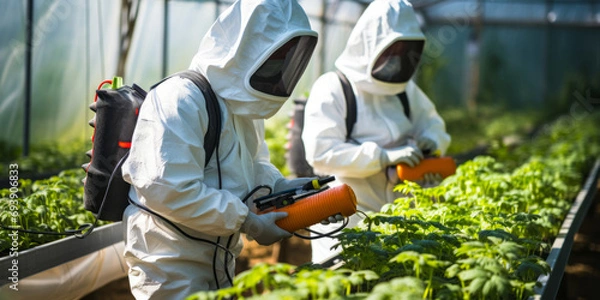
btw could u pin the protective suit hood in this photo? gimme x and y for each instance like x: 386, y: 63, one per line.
x: 381, y: 24
x: 241, y: 39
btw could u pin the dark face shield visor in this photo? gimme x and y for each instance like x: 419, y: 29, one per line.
x: 280, y: 73
x: 398, y: 62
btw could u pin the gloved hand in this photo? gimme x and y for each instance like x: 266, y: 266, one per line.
x: 333, y: 219
x: 426, y: 144
x: 405, y: 154
x: 392, y: 175
x: 262, y: 228
x: 431, y: 179
x: 283, y: 184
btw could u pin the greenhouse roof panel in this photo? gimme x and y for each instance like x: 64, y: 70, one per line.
x: 453, y: 9
x: 514, y: 11
x: 576, y: 12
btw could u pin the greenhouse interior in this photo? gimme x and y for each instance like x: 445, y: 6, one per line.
x: 516, y: 83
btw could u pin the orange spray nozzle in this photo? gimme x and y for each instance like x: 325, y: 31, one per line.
x: 317, y: 207
x: 444, y: 166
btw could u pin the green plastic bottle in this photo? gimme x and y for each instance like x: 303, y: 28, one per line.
x: 117, y: 82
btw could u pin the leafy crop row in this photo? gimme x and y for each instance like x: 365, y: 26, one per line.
x: 483, y: 233
x: 54, y: 204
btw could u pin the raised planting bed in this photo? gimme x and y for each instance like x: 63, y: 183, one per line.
x: 73, y: 279
x: 40, y: 254
x: 43, y: 210
x: 561, y: 248
x: 52, y: 254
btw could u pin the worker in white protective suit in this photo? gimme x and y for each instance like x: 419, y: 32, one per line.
x: 380, y: 57
x: 253, y: 56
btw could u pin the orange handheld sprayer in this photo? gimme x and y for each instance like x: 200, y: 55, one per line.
x: 444, y: 166
x: 309, y: 204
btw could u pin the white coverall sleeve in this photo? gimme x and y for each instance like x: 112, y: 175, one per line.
x: 324, y: 134
x: 426, y: 120
x: 166, y: 163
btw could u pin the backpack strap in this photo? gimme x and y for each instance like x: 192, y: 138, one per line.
x: 405, y: 105
x: 213, y: 134
x: 350, y: 104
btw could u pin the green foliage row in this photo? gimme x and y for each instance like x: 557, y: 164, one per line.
x: 482, y: 234
x: 276, y: 137
x: 489, y: 125
x: 43, y: 159
x: 573, y: 140
x: 52, y: 205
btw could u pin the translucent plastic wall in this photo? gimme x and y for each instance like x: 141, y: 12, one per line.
x: 74, y: 44
x: 187, y: 23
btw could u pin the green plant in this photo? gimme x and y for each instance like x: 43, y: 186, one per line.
x: 283, y: 281
x: 276, y: 138
x: 46, y: 158
x: 483, y: 233
x: 54, y: 204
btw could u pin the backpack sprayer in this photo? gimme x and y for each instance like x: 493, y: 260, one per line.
x: 309, y: 204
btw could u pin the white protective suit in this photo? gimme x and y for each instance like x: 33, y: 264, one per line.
x: 166, y: 162
x: 381, y: 124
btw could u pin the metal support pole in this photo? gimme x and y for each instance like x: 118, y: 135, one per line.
x: 545, y: 53
x: 165, y: 50
x: 28, y: 52
x: 322, y: 36
x: 217, y: 8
